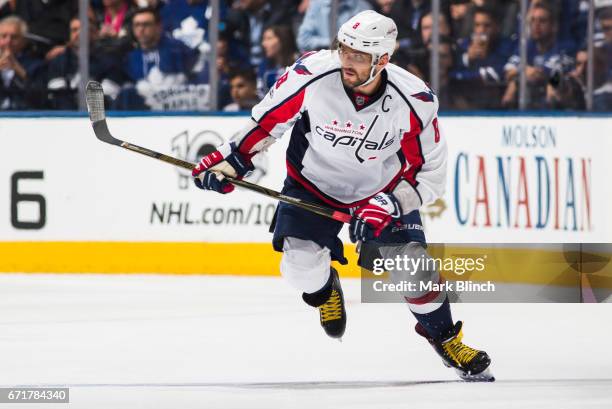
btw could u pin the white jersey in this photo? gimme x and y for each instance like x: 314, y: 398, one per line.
x: 344, y: 152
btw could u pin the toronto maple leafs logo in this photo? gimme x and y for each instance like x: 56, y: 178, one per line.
x: 425, y: 96
x: 189, y: 33
x: 165, y: 91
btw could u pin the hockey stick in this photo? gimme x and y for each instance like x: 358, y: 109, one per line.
x: 94, y: 96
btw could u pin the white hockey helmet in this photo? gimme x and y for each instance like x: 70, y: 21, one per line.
x: 372, y: 33
x: 369, y: 32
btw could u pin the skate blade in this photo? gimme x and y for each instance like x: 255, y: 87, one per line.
x: 484, y: 376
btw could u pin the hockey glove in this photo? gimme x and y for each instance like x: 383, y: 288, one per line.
x: 370, y: 220
x: 210, y: 173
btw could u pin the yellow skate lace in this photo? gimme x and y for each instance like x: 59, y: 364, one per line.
x: 458, y: 351
x: 332, y: 309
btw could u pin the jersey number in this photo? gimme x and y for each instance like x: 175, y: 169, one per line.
x: 436, y: 130
x: 282, y: 79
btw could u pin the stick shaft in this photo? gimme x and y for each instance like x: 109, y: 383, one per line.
x: 320, y: 210
x: 95, y: 105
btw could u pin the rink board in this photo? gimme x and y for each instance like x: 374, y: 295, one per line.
x: 74, y: 204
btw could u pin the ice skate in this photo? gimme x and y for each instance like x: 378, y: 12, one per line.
x: 471, y: 365
x: 331, y: 311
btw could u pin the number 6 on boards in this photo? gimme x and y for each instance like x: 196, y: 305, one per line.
x: 17, y: 197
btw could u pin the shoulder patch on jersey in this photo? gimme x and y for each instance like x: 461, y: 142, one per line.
x: 299, y: 65
x: 425, y: 96
x: 301, y: 69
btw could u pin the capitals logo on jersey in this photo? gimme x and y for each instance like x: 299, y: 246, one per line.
x: 347, y: 134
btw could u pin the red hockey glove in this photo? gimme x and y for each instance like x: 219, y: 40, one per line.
x: 210, y: 173
x: 370, y: 220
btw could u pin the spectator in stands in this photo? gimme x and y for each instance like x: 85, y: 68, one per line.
x: 573, y: 21
x: 63, y: 75
x: 225, y: 66
x: 446, y: 52
x: 406, y: 36
x: 187, y: 21
x: 508, y: 14
x: 460, y: 17
x: 314, y: 32
x: 7, y: 7
x: 115, y: 21
x: 155, y: 50
x: 544, y: 57
x: 602, y: 98
x: 300, y: 13
x: 280, y: 52
x: 251, y: 17
x: 113, y: 17
x: 47, y: 22
x: 416, y: 58
x: 158, y: 63
x: 426, y: 27
x: 565, y: 91
x: 417, y: 9
x: 478, y: 77
x: 61, y: 48
x: 243, y: 88
x: 19, y: 70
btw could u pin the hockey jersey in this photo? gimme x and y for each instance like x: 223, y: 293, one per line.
x: 345, y: 152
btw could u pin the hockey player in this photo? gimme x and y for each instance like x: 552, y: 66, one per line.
x: 365, y: 140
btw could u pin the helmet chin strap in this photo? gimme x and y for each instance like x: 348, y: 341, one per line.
x: 373, y: 73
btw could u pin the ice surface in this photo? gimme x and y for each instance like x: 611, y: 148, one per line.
x: 150, y: 341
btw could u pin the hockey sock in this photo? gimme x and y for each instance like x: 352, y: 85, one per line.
x: 438, y: 321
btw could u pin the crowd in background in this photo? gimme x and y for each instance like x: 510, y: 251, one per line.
x: 154, y: 54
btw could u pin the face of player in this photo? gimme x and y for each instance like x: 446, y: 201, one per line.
x: 356, y: 66
x: 11, y: 38
x: 270, y: 43
x: 146, y: 30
